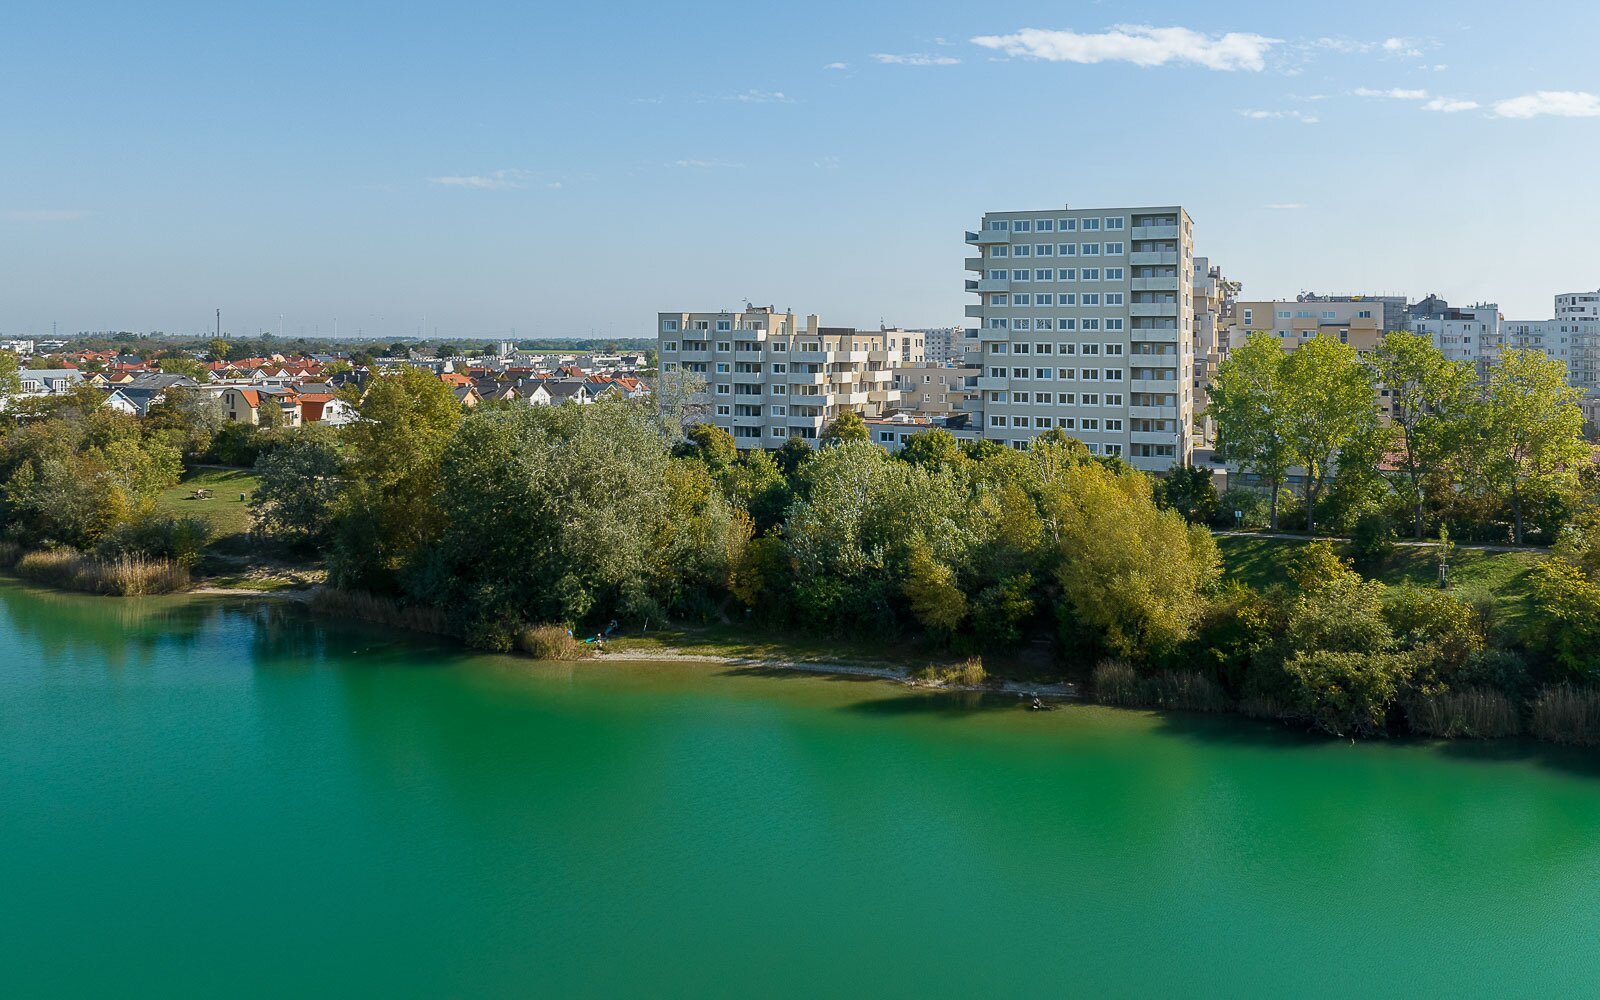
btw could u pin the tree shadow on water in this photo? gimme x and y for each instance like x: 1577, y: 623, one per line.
x: 790, y: 673
x: 938, y: 704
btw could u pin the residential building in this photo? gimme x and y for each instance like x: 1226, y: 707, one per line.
x: 1473, y: 334
x: 1355, y: 322
x: 1572, y: 337
x: 1394, y: 313
x: 942, y: 346
x: 1213, y: 298
x: 768, y: 378
x: 1086, y: 325
x: 930, y: 389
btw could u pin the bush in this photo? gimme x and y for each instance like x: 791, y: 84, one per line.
x: 367, y: 607
x: 1476, y: 712
x: 967, y: 673
x: 1184, y: 691
x: 1345, y: 693
x: 124, y: 576
x: 551, y: 642
x: 1372, y: 541
x: 1254, y: 504
x: 10, y: 552
x: 158, y: 536
x: 1567, y: 714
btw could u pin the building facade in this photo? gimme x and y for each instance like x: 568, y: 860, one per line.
x: 1085, y: 323
x: 931, y: 389
x: 1357, y: 323
x: 768, y: 378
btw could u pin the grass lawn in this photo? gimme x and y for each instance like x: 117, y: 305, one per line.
x: 1474, y: 573
x: 229, y: 518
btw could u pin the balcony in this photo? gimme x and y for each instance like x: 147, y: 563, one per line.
x: 974, y: 263
x: 1153, y: 233
x: 995, y: 285
x: 1156, y: 284
x: 993, y: 382
x: 974, y: 309
x: 795, y: 420
x: 687, y: 355
x: 1154, y: 412
x: 1153, y: 309
x: 1171, y: 385
x: 803, y: 378
x: 1152, y: 257
x: 809, y: 357
x: 985, y: 237
x: 1155, y: 437
x: 747, y: 420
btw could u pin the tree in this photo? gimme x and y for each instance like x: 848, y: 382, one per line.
x: 299, y: 488
x: 1250, y: 402
x: 10, y: 380
x: 930, y: 587
x: 935, y: 449
x: 1566, y: 616
x: 1527, y: 432
x: 711, y: 445
x: 217, y: 350
x: 182, y: 365
x: 1127, y: 569
x: 1430, y: 399
x: 794, y: 454
x: 846, y: 427
x: 390, y: 510
x: 1331, y: 403
x: 1189, y: 491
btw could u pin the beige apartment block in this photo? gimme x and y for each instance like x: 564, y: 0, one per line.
x: 1213, y: 296
x: 768, y: 378
x: 1085, y: 323
x: 934, y: 390
x: 1358, y: 323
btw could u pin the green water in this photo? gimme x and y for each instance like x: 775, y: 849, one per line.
x: 230, y: 799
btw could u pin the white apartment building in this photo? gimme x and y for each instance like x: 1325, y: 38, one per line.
x: 1086, y: 325
x: 942, y: 346
x: 1473, y: 334
x: 1573, y: 337
x: 1213, y: 297
x: 21, y: 348
x: 768, y: 378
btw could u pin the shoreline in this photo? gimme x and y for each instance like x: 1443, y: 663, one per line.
x: 1061, y: 691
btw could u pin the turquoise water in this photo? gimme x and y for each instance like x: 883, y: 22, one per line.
x: 231, y: 799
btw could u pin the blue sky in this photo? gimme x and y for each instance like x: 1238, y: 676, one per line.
x: 568, y: 169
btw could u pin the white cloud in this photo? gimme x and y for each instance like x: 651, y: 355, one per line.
x: 763, y: 97
x: 914, y: 59
x: 499, y: 180
x: 1559, y: 103
x: 703, y: 164
x: 837, y: 65
x: 1401, y: 47
x: 1299, y: 116
x: 46, y: 214
x: 1285, y: 206
x: 1140, y: 44
x: 1394, y: 48
x: 1393, y: 94
x: 1451, y: 105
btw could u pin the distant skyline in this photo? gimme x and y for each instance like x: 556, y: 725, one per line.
x: 479, y: 167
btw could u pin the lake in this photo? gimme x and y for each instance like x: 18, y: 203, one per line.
x: 226, y: 797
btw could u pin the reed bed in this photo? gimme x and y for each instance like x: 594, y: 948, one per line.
x: 379, y: 610
x: 551, y: 642
x: 1117, y: 683
x: 1474, y: 713
x: 1567, y: 714
x: 967, y: 673
x: 123, y: 576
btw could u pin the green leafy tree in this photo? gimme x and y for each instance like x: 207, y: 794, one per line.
x: 217, y: 349
x: 712, y: 445
x: 846, y: 427
x: 938, y: 604
x: 1430, y: 401
x: 935, y: 449
x: 1565, y: 617
x: 1331, y: 403
x: 300, y: 483
x: 184, y: 365
x: 1251, y: 402
x: 1527, y: 432
x: 1189, y: 491
x: 10, y: 380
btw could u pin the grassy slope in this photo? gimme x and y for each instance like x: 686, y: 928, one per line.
x: 229, y: 518
x: 1475, y: 574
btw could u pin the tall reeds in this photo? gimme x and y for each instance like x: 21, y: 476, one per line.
x: 123, y: 576
x: 1566, y: 714
x: 1475, y: 712
x: 378, y: 610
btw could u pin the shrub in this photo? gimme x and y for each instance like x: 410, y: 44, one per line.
x: 368, y: 607
x: 1372, y: 541
x: 1255, y: 505
x: 967, y: 673
x: 1345, y: 693
x: 1476, y: 712
x: 157, y: 536
x: 1184, y: 691
x: 124, y: 576
x: 1567, y: 714
x: 550, y: 642
x: 10, y: 552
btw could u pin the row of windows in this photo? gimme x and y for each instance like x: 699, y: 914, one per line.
x: 775, y: 346
x: 1113, y: 222
x: 1057, y: 398
x: 1057, y: 274
x: 1065, y: 423
x: 1058, y: 250
x: 1065, y: 323
x: 1111, y: 350
x: 1054, y: 299
x: 1061, y: 374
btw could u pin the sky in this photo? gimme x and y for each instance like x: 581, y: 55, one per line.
x: 572, y: 169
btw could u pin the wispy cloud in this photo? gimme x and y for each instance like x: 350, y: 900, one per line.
x: 1284, y: 206
x: 762, y: 97
x: 1557, y: 103
x: 703, y: 164
x: 499, y: 180
x: 1140, y: 44
x: 45, y: 214
x: 1393, y: 93
x: 1393, y: 48
x: 914, y: 59
x: 1260, y: 115
x: 1451, y: 105
x: 826, y: 163
x: 1401, y: 47
x: 837, y: 65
